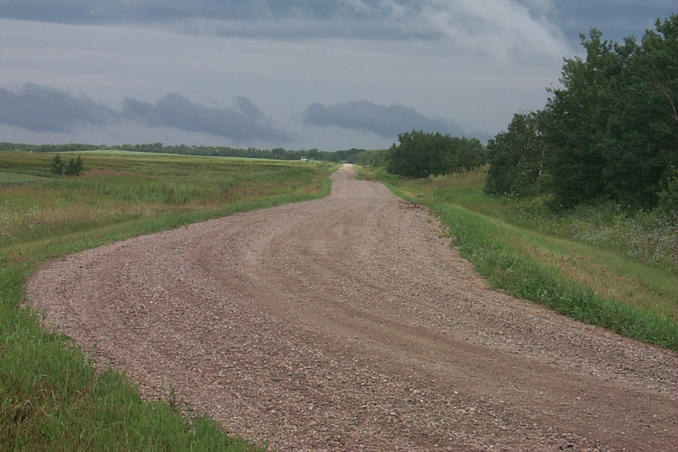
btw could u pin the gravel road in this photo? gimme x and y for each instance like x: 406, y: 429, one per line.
x: 350, y: 323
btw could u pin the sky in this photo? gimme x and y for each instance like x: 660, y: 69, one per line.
x: 298, y: 74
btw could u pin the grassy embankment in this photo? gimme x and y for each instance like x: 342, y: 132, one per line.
x: 50, y: 396
x: 593, y: 264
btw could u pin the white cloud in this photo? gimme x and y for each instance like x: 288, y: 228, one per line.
x: 502, y: 29
x: 541, y: 7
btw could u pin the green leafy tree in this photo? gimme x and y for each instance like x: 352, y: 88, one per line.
x: 613, y: 128
x: 517, y: 157
x: 644, y: 130
x: 410, y: 158
x: 579, y: 114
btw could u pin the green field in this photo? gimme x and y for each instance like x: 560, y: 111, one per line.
x: 51, y: 398
x: 593, y: 264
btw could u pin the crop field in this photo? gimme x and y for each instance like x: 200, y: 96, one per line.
x: 595, y: 264
x: 50, y: 395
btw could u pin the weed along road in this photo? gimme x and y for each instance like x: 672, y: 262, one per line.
x: 349, y: 321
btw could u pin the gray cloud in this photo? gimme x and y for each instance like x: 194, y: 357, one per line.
x: 615, y: 18
x: 278, y: 19
x: 114, y: 11
x: 247, y: 107
x: 173, y: 110
x: 369, y: 19
x: 386, y: 122
x: 42, y: 108
x: 46, y: 109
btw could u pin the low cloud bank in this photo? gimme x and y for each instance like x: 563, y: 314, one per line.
x: 46, y: 109
x: 385, y: 121
x: 243, y: 123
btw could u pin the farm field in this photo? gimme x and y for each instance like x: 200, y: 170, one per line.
x: 595, y: 264
x: 50, y: 396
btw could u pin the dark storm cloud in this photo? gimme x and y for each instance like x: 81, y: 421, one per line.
x: 247, y: 107
x: 277, y: 19
x: 42, y: 108
x: 114, y: 11
x: 366, y: 19
x: 615, y: 18
x: 386, y: 122
x: 46, y: 109
x: 173, y: 110
x: 111, y: 11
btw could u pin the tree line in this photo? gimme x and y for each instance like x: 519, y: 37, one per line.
x: 610, y: 131
x: 278, y: 153
x: 349, y: 155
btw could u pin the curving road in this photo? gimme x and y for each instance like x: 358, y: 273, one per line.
x: 349, y: 322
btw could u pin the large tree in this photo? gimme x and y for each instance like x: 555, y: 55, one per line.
x: 613, y: 127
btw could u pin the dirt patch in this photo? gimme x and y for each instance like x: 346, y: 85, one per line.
x: 350, y: 323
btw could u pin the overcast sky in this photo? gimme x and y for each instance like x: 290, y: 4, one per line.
x: 329, y: 74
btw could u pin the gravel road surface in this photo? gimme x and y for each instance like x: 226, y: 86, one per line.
x: 350, y: 323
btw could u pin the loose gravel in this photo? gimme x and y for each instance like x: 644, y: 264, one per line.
x: 350, y: 323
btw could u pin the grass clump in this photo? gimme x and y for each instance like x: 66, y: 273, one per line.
x: 628, y: 286
x: 51, y: 398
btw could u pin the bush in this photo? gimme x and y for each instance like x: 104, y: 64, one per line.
x: 71, y: 168
x: 57, y: 165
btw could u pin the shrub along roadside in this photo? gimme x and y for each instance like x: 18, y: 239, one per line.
x: 491, y: 245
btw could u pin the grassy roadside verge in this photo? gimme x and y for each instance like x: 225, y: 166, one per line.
x: 51, y: 398
x: 591, y: 284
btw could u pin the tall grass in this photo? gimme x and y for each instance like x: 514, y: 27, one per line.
x: 648, y: 237
x: 524, y: 248
x: 51, y: 398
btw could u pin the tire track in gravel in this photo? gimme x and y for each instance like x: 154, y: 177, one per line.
x: 348, y: 323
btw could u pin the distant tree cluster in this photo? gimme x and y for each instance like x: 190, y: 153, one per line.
x: 420, y: 154
x: 377, y: 158
x: 610, y: 131
x: 72, y: 167
x: 349, y: 155
x: 71, y: 147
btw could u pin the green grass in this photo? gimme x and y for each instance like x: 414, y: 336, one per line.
x: 12, y: 178
x: 51, y: 398
x: 152, y: 154
x: 521, y: 247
